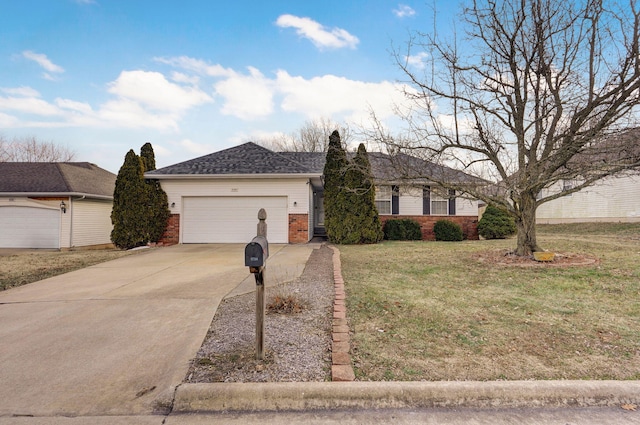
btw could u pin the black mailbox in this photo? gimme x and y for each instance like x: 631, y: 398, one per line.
x: 256, y: 252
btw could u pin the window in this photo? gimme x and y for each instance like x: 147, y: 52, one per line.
x: 383, y: 199
x: 568, y: 185
x: 439, y: 202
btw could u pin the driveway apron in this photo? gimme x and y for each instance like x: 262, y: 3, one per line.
x: 117, y: 338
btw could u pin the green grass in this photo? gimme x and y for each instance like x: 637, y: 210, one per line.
x: 433, y: 311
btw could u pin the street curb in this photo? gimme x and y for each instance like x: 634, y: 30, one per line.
x: 304, y: 396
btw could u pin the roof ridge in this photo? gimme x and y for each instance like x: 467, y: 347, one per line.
x: 63, y: 175
x: 291, y: 160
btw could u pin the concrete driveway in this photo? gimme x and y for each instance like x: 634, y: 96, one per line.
x: 116, y: 338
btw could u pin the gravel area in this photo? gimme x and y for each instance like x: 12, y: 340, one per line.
x: 297, y: 345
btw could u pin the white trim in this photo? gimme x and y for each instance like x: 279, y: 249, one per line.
x: 228, y: 176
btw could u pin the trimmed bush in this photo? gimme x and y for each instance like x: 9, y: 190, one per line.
x: 402, y: 230
x: 496, y: 224
x: 449, y: 231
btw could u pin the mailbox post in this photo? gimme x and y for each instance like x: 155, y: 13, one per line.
x: 255, y: 257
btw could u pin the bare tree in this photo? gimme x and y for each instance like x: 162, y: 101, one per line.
x: 313, y: 136
x: 538, y: 92
x: 30, y: 149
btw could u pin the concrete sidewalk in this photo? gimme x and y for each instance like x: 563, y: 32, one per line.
x: 117, y: 338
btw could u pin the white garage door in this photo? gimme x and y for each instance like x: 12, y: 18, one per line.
x: 223, y: 219
x: 26, y: 227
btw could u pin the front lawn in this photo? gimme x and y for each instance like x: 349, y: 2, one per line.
x: 25, y: 266
x: 435, y: 311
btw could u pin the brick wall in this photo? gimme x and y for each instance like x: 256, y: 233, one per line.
x: 298, y: 228
x: 171, y: 235
x: 469, y: 224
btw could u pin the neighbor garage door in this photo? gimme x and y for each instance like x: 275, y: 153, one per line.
x: 224, y: 219
x: 26, y: 227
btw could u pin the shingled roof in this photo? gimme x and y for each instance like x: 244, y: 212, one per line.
x: 56, y: 178
x: 249, y: 159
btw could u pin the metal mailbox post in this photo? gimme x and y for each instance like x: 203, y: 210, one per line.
x: 255, y: 257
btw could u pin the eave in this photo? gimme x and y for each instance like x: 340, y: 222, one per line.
x: 55, y: 195
x: 229, y: 176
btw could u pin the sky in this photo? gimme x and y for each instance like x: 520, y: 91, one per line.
x: 101, y: 77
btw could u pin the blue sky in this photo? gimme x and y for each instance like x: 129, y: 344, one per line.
x: 195, y: 76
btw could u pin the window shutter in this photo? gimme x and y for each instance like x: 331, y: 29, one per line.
x: 426, y: 200
x: 395, y: 200
x: 452, y: 202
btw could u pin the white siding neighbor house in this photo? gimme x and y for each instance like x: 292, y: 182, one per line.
x: 216, y: 198
x: 614, y: 199
x: 55, y: 205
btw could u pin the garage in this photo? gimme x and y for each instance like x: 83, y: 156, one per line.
x: 29, y: 227
x: 232, y: 219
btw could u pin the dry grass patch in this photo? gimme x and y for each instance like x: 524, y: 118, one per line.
x: 23, y: 267
x: 432, y: 311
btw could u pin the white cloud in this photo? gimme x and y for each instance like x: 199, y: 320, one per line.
x: 330, y: 95
x: 7, y: 121
x: 153, y: 90
x: 318, y: 34
x: 256, y: 136
x: 246, y: 96
x: 29, y: 105
x: 130, y: 114
x: 197, y: 65
x: 254, y: 96
x: 417, y: 61
x: 160, y: 150
x: 404, y: 11
x: 72, y: 105
x: 179, y: 77
x: 23, y: 91
x: 195, y: 148
x: 43, y: 61
x: 142, y: 100
x: 86, y: 2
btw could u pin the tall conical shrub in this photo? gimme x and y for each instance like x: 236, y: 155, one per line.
x: 128, y: 215
x: 361, y: 223
x: 334, y: 191
x: 156, y: 204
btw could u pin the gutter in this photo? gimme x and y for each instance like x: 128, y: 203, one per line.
x: 228, y: 176
x: 56, y: 195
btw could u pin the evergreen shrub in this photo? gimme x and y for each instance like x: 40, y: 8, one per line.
x: 402, y: 230
x: 446, y: 230
x: 496, y: 224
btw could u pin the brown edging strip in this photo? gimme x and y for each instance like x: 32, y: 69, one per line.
x: 341, y: 369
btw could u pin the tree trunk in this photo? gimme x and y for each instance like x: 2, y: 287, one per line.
x: 526, y: 224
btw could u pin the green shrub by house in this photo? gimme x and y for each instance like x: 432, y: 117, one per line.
x: 140, y: 211
x: 446, y: 230
x: 361, y: 222
x: 334, y: 191
x: 156, y: 203
x: 496, y: 224
x: 128, y: 214
x: 402, y: 230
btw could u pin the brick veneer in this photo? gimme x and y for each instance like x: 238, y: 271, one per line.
x: 469, y: 224
x: 298, y: 228
x: 171, y: 235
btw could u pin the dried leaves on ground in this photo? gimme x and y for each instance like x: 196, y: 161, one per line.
x: 297, y: 332
x: 20, y: 267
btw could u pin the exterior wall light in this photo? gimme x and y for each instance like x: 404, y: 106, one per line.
x: 63, y: 207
